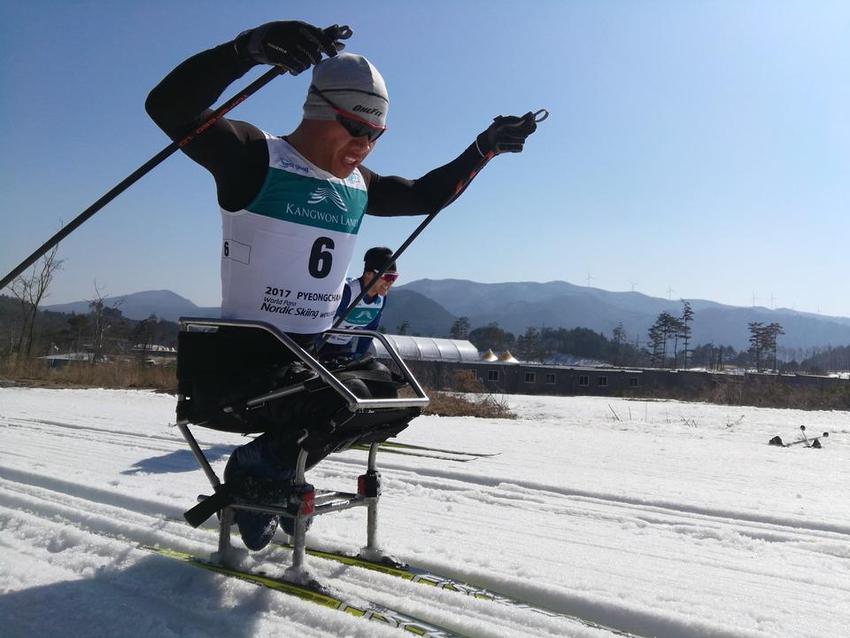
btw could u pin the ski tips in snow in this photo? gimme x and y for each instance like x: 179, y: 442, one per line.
x: 804, y: 440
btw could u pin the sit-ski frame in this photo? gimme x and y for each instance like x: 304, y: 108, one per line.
x: 310, y: 502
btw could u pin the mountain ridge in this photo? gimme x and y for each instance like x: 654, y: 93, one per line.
x: 165, y: 304
x: 430, y: 306
x: 517, y: 305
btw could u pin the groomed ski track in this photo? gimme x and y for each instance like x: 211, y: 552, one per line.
x: 648, y: 525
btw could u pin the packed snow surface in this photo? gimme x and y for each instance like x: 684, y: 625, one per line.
x: 657, y: 518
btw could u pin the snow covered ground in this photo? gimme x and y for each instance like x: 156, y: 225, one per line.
x: 659, y: 518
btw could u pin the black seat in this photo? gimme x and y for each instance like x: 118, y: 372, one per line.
x: 218, y: 369
x: 222, y: 368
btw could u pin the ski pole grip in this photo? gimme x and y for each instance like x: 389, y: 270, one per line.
x: 339, y: 32
x: 197, y: 515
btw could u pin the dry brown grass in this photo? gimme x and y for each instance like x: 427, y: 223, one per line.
x: 119, y: 374
x: 133, y: 374
x: 774, y: 394
x: 482, y: 405
x: 468, y: 398
x: 485, y: 406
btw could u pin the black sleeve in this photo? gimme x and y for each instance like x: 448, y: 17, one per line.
x: 234, y: 152
x: 391, y: 196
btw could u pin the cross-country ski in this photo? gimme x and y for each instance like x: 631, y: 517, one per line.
x: 324, y: 598
x: 803, y: 440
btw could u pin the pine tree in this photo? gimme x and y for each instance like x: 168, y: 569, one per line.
x: 665, y: 327
x: 685, y: 329
x: 460, y: 328
x: 619, y: 336
x: 530, y: 346
x: 770, y: 334
x: 656, y: 345
x: 756, y: 341
x: 491, y: 337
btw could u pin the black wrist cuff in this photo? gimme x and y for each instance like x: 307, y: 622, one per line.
x: 241, y: 48
x: 482, y: 144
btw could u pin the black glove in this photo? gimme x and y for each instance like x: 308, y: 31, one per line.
x: 293, y: 45
x: 506, y: 134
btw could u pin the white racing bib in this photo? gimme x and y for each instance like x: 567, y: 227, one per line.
x: 360, y: 316
x: 285, y: 255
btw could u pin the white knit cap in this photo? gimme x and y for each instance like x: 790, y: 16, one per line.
x: 353, y: 84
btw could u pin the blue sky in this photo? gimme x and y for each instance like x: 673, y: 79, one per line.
x: 694, y: 149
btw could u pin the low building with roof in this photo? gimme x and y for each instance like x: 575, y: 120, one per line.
x: 427, y: 348
x: 453, y: 364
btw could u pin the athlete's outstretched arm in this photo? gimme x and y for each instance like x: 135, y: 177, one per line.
x: 234, y: 152
x: 391, y: 195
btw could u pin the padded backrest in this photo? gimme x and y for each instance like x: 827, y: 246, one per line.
x: 227, y: 351
x: 224, y: 366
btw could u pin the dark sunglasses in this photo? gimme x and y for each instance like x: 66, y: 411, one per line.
x: 353, y: 125
x: 389, y: 276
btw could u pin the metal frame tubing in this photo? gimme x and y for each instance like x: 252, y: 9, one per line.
x: 372, y: 549
x: 354, y: 403
x: 297, y: 571
x: 198, y: 454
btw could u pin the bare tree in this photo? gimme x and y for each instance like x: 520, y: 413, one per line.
x: 143, y: 335
x: 101, y: 317
x: 78, y: 326
x: 30, y: 289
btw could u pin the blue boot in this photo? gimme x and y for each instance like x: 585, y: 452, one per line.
x: 249, y: 467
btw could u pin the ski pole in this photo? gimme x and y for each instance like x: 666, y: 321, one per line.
x: 538, y: 116
x: 342, y: 33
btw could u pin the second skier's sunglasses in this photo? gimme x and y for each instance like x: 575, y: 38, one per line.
x: 388, y: 276
x: 353, y: 125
